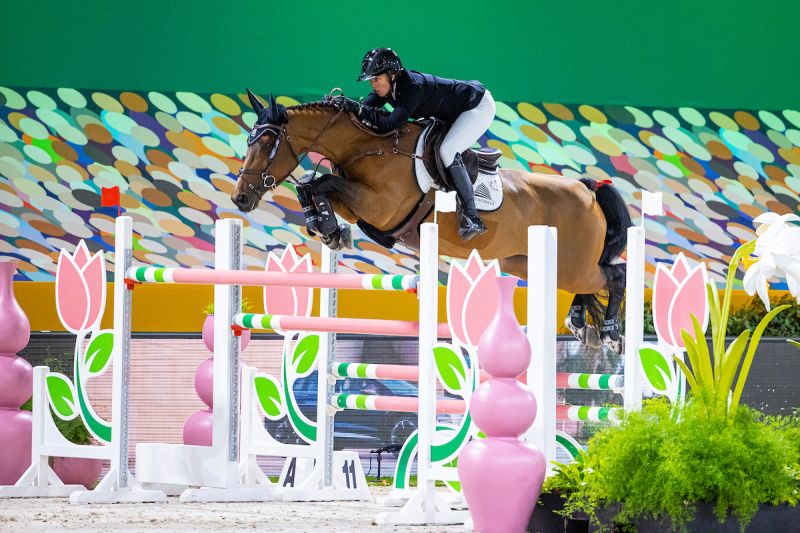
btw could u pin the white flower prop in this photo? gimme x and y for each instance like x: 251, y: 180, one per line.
x: 778, y: 252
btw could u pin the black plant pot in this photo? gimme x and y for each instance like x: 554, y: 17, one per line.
x: 545, y: 519
x: 768, y: 518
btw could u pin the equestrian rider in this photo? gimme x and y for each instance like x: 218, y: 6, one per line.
x: 466, y: 105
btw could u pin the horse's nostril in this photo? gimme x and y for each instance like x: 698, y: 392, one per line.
x: 240, y: 200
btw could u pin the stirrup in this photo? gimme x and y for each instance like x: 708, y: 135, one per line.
x: 471, y: 229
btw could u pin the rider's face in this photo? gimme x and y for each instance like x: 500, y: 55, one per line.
x: 381, y: 84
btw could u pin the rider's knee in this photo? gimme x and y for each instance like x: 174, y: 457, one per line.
x: 447, y: 152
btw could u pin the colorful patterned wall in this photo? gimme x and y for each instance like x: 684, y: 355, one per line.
x: 174, y: 157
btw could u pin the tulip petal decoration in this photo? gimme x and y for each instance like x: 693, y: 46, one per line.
x: 471, y: 298
x: 291, y: 301
x: 678, y: 294
x: 80, y: 289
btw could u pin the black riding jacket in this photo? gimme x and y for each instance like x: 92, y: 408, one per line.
x: 418, y: 95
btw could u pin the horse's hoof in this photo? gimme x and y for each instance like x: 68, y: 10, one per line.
x: 615, y: 345
x: 346, y: 237
x: 586, y: 334
x: 591, y: 338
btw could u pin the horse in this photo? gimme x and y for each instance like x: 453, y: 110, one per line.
x: 375, y: 184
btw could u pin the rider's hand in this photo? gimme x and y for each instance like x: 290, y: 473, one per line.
x: 351, y: 106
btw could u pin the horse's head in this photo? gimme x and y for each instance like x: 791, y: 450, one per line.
x: 270, y: 157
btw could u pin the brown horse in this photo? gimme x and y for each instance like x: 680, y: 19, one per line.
x: 378, y: 186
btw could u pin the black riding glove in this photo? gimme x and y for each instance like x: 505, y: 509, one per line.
x: 351, y: 106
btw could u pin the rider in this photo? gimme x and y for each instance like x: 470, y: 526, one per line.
x: 466, y: 105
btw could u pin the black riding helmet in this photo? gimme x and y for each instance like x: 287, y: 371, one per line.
x: 378, y: 61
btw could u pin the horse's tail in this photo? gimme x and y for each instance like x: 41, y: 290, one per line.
x: 618, y: 220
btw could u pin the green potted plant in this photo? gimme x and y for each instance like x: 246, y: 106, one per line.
x: 549, y: 514
x: 695, y: 473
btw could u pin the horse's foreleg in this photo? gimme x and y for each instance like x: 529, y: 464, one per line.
x: 576, y: 322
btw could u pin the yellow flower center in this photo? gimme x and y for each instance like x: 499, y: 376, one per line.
x: 749, y: 261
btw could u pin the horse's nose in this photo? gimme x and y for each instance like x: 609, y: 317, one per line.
x: 240, y: 200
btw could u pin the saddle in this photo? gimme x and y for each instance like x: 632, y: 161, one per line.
x: 480, y: 161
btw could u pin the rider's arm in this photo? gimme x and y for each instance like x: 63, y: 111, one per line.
x: 382, y: 121
x: 373, y: 100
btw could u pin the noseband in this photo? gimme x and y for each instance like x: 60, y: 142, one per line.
x: 268, y: 181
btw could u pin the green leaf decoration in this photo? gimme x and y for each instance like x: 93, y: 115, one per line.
x: 455, y: 485
x: 656, y: 368
x: 451, y: 368
x: 305, y: 354
x: 99, y: 351
x: 268, y: 391
x: 62, y: 395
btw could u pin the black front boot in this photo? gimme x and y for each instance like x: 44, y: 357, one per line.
x: 469, y: 223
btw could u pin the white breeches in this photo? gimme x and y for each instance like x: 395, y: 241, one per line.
x: 468, y: 128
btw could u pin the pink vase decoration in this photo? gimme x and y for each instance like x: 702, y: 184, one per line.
x: 198, y: 427
x: 501, y: 476
x: 16, y: 381
x: 78, y: 470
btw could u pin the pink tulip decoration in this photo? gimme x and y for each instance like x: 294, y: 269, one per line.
x: 292, y: 301
x: 472, y: 297
x: 678, y: 294
x: 80, y: 289
x: 501, y: 476
x: 80, y: 302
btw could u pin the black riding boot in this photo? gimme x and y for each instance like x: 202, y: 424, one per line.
x: 469, y: 223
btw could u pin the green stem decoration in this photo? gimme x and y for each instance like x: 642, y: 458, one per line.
x: 98, y: 427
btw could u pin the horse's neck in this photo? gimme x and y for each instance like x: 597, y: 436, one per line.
x: 381, y: 191
x: 314, y: 130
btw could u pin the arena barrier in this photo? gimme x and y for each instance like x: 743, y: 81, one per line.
x: 118, y: 485
x: 222, y: 473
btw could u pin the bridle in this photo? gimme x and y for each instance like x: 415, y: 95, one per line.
x: 268, y: 182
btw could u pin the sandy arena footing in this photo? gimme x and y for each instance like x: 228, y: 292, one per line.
x: 38, y: 515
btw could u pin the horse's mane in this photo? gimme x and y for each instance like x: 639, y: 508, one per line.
x: 326, y: 105
x: 313, y: 105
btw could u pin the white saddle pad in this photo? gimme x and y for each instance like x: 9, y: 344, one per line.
x: 488, y: 187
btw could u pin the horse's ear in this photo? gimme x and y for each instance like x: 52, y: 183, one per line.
x: 255, y: 102
x: 276, y: 113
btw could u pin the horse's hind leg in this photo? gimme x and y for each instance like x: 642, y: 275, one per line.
x: 610, y: 334
x: 576, y: 323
